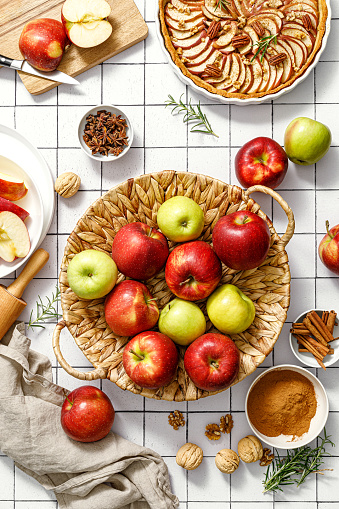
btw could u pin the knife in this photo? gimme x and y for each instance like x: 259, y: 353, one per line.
x: 23, y: 65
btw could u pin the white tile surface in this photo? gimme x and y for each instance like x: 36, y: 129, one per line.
x: 140, y: 80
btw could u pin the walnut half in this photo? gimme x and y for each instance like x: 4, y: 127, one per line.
x: 189, y: 456
x: 67, y: 184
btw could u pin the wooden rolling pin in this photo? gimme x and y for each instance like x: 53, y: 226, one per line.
x: 11, y: 304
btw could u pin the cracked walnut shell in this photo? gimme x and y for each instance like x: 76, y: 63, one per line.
x: 67, y: 184
x: 227, y: 461
x: 250, y: 449
x: 189, y: 456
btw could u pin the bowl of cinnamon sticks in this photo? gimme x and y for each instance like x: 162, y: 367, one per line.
x: 314, y: 338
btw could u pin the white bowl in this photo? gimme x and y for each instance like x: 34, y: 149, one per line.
x: 306, y: 357
x: 241, y: 102
x: 83, y: 122
x: 317, y: 423
x: 33, y: 204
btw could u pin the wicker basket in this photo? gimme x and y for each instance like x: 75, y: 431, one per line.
x: 139, y: 200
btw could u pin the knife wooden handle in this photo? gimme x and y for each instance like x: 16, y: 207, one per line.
x: 32, y: 267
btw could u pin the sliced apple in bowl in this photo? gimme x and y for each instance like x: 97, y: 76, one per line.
x: 12, y: 188
x: 14, y: 238
x: 85, y: 22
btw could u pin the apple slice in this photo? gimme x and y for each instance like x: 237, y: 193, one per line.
x: 225, y: 67
x: 225, y: 39
x: 185, y: 34
x: 196, y: 6
x: 8, y: 206
x: 194, y: 52
x: 298, y: 32
x: 199, y: 69
x: 183, y: 25
x: 265, y: 75
x: 202, y: 57
x: 249, y: 77
x: 181, y: 16
x: 12, y: 188
x: 257, y: 71
x: 14, y: 238
x: 190, y: 42
x: 85, y: 22
x: 216, y: 10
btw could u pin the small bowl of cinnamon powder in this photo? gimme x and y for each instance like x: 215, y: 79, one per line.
x: 286, y: 406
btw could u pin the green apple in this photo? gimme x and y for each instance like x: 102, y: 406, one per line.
x: 180, y: 219
x: 182, y: 321
x: 230, y: 310
x: 92, y: 274
x: 306, y: 140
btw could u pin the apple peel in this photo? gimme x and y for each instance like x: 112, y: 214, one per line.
x: 14, y: 237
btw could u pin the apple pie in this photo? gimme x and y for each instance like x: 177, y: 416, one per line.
x: 243, y: 48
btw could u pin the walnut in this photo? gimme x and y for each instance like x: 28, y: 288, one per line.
x: 227, y: 461
x: 176, y: 419
x: 212, y: 431
x: 67, y: 184
x: 189, y: 456
x: 267, y: 458
x: 226, y: 423
x: 250, y: 449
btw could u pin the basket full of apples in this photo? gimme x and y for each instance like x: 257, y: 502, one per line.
x: 175, y: 285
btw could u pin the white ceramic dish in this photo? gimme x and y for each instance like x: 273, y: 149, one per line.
x: 306, y: 357
x: 240, y: 102
x: 83, y: 122
x: 16, y: 147
x: 317, y: 423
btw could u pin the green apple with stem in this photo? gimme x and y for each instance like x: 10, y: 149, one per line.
x: 306, y: 140
x: 181, y: 219
x: 230, y: 310
x: 92, y: 274
x: 182, y: 321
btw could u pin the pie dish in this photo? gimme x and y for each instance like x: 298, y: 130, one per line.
x: 248, y: 50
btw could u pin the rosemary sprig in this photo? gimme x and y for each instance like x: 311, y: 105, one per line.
x: 263, y: 44
x: 222, y: 3
x: 45, y: 311
x: 296, y: 466
x: 191, y: 115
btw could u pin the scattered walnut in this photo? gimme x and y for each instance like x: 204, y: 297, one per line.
x: 267, y: 458
x: 227, y: 461
x: 212, y: 431
x: 189, y: 456
x: 250, y: 449
x: 226, y: 423
x: 67, y: 184
x: 176, y: 419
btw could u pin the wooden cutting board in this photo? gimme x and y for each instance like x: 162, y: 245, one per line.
x: 129, y: 28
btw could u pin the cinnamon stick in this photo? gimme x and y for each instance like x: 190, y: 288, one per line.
x: 324, y: 317
x: 331, y: 321
x: 319, y: 324
x: 321, y: 348
x: 321, y: 363
x: 310, y: 348
x: 303, y: 332
x: 301, y: 349
x: 307, y: 322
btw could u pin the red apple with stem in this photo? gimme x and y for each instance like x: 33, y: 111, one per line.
x: 130, y: 308
x: 150, y: 359
x: 193, y: 270
x: 329, y: 248
x: 139, y: 251
x: 87, y: 414
x: 212, y: 362
x: 261, y: 161
x: 241, y: 240
x: 43, y: 42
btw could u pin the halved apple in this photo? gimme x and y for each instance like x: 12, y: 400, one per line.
x: 85, y: 22
x: 12, y: 188
x: 8, y: 206
x: 14, y: 238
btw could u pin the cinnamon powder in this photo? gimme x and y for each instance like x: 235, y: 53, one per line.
x: 282, y: 402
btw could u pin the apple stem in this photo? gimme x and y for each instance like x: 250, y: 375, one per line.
x: 244, y: 221
x: 70, y: 402
x: 186, y: 281
x: 328, y: 229
x: 150, y: 232
x: 140, y: 357
x: 215, y: 364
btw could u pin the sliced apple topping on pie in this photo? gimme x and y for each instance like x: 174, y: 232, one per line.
x: 246, y: 47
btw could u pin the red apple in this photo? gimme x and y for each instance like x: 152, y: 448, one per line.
x: 261, y: 161
x: 6, y: 205
x: 212, y: 362
x: 150, y: 359
x: 139, y: 251
x: 42, y: 43
x: 193, y: 270
x: 130, y: 308
x: 241, y: 240
x: 87, y: 414
x: 329, y: 248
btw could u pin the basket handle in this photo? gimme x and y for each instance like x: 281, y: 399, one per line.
x: 96, y: 374
x: 286, y: 208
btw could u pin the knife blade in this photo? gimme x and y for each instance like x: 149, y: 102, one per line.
x: 23, y: 65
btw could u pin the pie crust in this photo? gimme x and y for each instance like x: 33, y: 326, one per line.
x: 218, y: 62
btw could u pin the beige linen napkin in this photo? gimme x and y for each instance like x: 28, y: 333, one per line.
x: 112, y: 473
